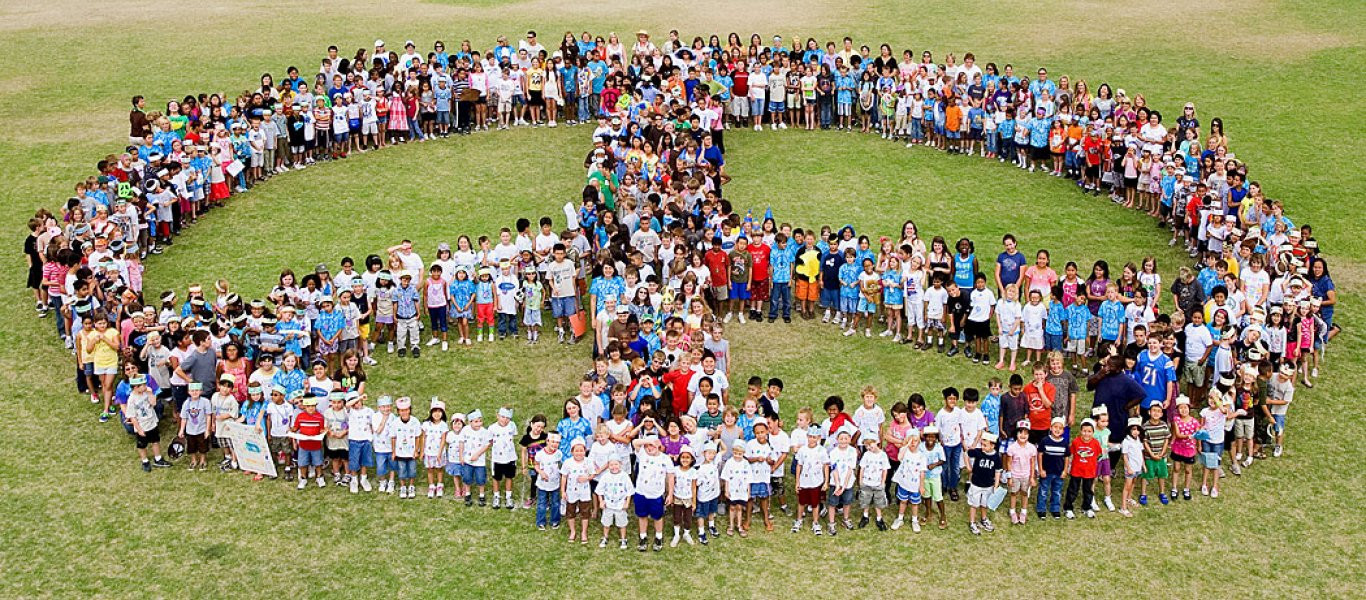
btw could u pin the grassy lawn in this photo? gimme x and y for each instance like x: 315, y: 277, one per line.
x: 87, y: 522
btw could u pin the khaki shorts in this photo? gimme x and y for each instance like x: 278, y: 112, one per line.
x: 872, y: 496
x: 1019, y: 485
x: 720, y: 293
x: 1243, y: 429
x: 613, y: 517
x: 1193, y: 373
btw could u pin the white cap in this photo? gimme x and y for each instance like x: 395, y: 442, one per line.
x: 1183, y: 401
x: 475, y: 414
x: 989, y: 437
x: 379, y: 42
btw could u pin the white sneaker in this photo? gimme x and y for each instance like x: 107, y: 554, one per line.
x: 758, y: 127
x: 674, y: 542
x: 1109, y: 504
x: 354, y: 485
x: 782, y: 126
x: 303, y: 483
x: 1070, y: 515
x: 728, y: 317
x: 1276, y: 452
x: 388, y: 486
x: 867, y: 332
x: 1204, y: 490
x: 403, y: 492
x: 915, y: 524
x: 369, y: 360
x: 481, y: 336
x: 440, y: 490
x: 445, y: 345
x: 431, y: 491
x: 391, y: 347
x: 365, y: 483
x: 826, y: 318
x: 741, y: 317
x: 1090, y: 514
x: 433, y: 342
x: 321, y: 483
x: 1214, y: 493
x: 687, y: 537
x: 495, y: 500
x: 848, y: 332
x: 885, y: 333
x: 896, y: 524
x: 1248, y: 462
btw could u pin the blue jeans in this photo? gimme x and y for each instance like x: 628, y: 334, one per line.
x: 990, y: 139
x: 547, y: 502
x: 54, y: 303
x: 1050, y: 494
x: 584, y: 113
x: 952, y: 454
x: 507, y: 324
x: 780, y: 295
x: 415, y: 128
x: 827, y: 112
x: 917, y: 130
x: 594, y: 102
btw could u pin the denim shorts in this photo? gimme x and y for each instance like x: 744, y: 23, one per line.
x: 360, y: 453
x: 843, y: 499
x: 405, y: 468
x: 563, y: 307
x: 384, y: 463
x: 1052, y: 341
x: 310, y: 458
x: 455, y: 470
x: 866, y: 307
x: 476, y: 475
x: 756, y: 107
x: 758, y: 490
x: 848, y: 304
x: 706, y: 508
x: 776, y: 106
x: 830, y: 298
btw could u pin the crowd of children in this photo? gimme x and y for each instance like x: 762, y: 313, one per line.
x: 654, y: 263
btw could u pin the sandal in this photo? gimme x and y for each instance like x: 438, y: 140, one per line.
x: 943, y: 524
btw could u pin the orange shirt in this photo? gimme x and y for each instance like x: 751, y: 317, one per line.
x: 953, y: 117
x: 1040, y: 414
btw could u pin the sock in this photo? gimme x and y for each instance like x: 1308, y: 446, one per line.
x: 157, y: 457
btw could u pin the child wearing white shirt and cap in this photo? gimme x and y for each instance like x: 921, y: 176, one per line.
x: 477, y: 442
x: 708, y: 493
x: 576, y: 473
x: 614, y: 491
x: 547, y: 484
x: 455, y: 456
x: 504, y: 454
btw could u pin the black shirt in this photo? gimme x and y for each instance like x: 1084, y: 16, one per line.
x: 959, y: 306
x: 984, y: 467
x: 1054, y: 453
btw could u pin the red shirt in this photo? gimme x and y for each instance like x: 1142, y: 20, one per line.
x: 677, y: 381
x: 1091, y: 146
x: 1085, y: 455
x: 759, y: 252
x: 1040, y: 415
x: 718, y: 262
x: 309, y: 424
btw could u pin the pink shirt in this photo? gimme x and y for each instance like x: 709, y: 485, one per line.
x: 1022, y: 458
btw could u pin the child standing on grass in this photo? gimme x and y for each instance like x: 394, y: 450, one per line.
x: 759, y: 453
x: 225, y: 408
x: 407, y: 441
x: 483, y: 304
x: 455, y: 457
x: 1213, y: 419
x: 843, y: 472
x: 576, y: 474
x: 933, y: 453
x: 811, y: 461
x: 533, y: 296
x: 504, y: 454
x: 653, y: 473
x: 1103, y: 467
x: 1033, y: 317
x: 1081, y: 466
x: 1021, y: 463
x: 909, y: 479
x: 873, y: 468
x: 1009, y: 321
x: 434, y: 447
x: 708, y: 479
x: 381, y: 424
x: 1078, y: 325
x: 981, y: 302
x: 533, y: 439
x: 735, y: 476
x: 477, y: 442
x: 141, y: 413
x: 309, y: 424
x: 684, y: 496
x: 985, y: 476
x: 462, y: 304
x: 614, y: 491
x: 336, y: 451
x: 1132, y: 448
x: 1157, y: 444
x: 548, y: 484
x: 195, y: 415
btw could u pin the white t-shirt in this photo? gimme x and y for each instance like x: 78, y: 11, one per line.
x: 600, y: 455
x: 683, y: 483
x: 1008, y: 315
x: 972, y: 425
x: 383, y: 427
x: 652, y: 474
x: 759, y: 471
x: 455, y: 447
x: 405, y: 437
x: 911, y: 472
x: 869, y: 421
x: 935, y: 298
x: 842, y: 464
x: 782, y: 445
x: 1198, y: 338
x: 950, y: 426
x: 434, y: 433
x: 873, y: 468
x: 504, y: 448
x: 708, y: 482
x: 981, y: 300
x: 547, y: 470
x: 737, y: 476
x: 813, y: 461
x: 475, y: 440
x: 575, y: 490
x: 615, y: 489
x: 360, y: 424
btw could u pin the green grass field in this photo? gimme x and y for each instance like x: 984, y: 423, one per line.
x: 84, y: 521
